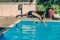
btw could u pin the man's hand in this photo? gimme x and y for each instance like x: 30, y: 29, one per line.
x: 44, y: 23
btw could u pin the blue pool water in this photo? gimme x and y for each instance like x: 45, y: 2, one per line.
x: 30, y: 30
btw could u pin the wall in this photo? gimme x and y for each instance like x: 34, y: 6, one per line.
x: 11, y: 9
x: 8, y: 9
x: 27, y: 8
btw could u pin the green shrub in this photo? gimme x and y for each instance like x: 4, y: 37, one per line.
x: 55, y: 8
x: 40, y: 7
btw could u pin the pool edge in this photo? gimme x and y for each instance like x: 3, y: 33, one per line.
x: 14, y: 23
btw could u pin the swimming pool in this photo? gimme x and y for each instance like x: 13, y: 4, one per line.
x: 30, y: 30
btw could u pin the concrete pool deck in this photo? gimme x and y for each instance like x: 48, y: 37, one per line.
x: 6, y: 21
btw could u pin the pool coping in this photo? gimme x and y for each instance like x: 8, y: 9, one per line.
x: 14, y: 23
x: 45, y: 20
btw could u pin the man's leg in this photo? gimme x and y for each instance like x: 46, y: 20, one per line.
x: 37, y: 15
